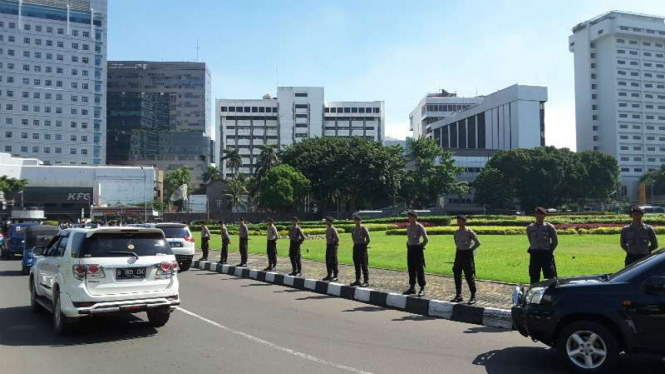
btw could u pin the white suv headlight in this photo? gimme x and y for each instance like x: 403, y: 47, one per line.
x: 535, y: 295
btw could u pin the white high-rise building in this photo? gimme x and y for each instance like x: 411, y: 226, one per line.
x: 620, y: 91
x: 53, y: 80
x: 296, y: 113
x: 434, y: 107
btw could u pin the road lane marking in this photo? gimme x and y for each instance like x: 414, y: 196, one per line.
x: 273, y: 345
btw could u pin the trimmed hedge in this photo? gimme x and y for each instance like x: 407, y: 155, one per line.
x: 490, y: 230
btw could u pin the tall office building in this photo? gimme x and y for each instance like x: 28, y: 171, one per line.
x: 159, y: 115
x: 296, y: 113
x: 511, y: 118
x: 434, y: 107
x: 53, y: 80
x: 620, y: 91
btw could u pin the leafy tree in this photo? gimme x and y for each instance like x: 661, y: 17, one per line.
x: 10, y: 187
x: 233, y: 160
x: 493, y: 190
x: 348, y: 173
x: 655, y: 179
x: 601, y: 177
x: 175, y: 179
x: 545, y: 176
x: 431, y: 173
x: 267, y: 159
x: 211, y: 174
x: 283, y: 188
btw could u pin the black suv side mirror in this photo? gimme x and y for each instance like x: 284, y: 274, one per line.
x: 656, y: 285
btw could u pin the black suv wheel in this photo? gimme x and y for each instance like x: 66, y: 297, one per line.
x: 588, y: 347
x: 158, y: 318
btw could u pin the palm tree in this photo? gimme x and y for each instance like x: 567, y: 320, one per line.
x: 211, y: 174
x: 266, y: 160
x: 10, y: 187
x: 236, y: 190
x: 233, y: 160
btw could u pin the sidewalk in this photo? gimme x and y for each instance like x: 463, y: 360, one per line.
x: 489, y: 294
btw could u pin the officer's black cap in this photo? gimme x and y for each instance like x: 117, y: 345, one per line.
x: 294, y: 218
x: 461, y: 216
x: 357, y: 216
x: 241, y: 219
x: 412, y: 213
x: 637, y: 209
x: 330, y: 219
x: 542, y: 210
x: 270, y: 220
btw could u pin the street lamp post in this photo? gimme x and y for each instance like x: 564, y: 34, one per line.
x: 145, y: 203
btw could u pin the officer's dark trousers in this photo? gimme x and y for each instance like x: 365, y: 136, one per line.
x: 631, y: 258
x: 360, y: 261
x: 331, y: 260
x: 205, y: 245
x: 294, y: 256
x: 272, y: 253
x: 225, y: 252
x: 464, y: 262
x: 541, y: 260
x: 416, y: 263
x: 243, y: 251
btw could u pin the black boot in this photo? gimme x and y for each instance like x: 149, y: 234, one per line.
x: 457, y: 299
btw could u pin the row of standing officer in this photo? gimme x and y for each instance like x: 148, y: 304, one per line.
x: 637, y: 240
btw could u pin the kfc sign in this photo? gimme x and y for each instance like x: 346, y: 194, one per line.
x: 78, y: 196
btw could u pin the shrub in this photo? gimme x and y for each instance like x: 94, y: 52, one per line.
x: 51, y: 222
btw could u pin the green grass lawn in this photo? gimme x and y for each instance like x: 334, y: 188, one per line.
x: 500, y: 258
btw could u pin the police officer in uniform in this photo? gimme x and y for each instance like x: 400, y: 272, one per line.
x: 466, y: 243
x: 271, y: 249
x: 360, y: 237
x: 296, y: 238
x: 332, y: 243
x: 542, y: 243
x: 415, y: 253
x: 638, y: 239
x: 226, y: 240
x: 243, y: 234
x: 205, y: 241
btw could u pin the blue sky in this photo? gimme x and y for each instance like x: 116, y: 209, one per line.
x: 395, y: 51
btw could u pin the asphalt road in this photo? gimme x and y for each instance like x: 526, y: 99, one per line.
x: 232, y: 325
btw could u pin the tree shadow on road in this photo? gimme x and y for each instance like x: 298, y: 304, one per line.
x: 316, y: 297
x: 480, y: 329
x: 367, y: 308
x: 12, y: 273
x: 545, y: 360
x: 22, y: 327
x: 415, y: 317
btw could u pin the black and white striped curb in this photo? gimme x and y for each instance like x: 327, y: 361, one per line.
x: 491, y: 317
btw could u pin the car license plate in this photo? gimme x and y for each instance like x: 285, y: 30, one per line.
x: 175, y: 244
x: 130, y: 273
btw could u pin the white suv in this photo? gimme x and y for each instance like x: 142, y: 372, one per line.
x: 88, y: 272
x: 181, y: 241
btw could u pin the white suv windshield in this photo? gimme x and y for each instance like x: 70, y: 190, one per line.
x: 124, y: 244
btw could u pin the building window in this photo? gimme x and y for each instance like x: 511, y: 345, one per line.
x: 301, y: 94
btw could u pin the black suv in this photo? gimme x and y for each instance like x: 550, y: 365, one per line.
x: 591, y: 320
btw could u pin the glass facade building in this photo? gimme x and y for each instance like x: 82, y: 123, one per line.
x: 160, y: 115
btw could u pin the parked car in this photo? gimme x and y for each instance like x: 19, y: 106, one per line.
x: 181, y: 241
x: 591, y: 320
x: 89, y: 272
x: 15, y: 239
x: 2, y: 241
x: 36, y: 240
